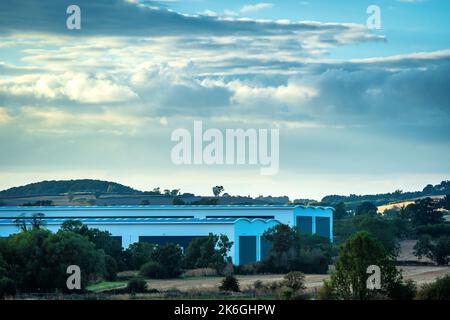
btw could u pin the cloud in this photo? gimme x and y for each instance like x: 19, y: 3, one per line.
x: 4, y: 116
x: 108, y: 96
x: 125, y: 18
x: 394, y: 93
x: 294, y: 92
x: 290, y: 94
x: 250, y: 8
x: 400, y: 93
x: 77, y: 87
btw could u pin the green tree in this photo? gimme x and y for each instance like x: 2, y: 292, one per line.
x: 102, y: 240
x: 211, y: 252
x: 170, y: 256
x: 36, y: 221
x: 283, y: 238
x: 434, y: 230
x: 445, y: 202
x: 294, y: 283
x: 291, y: 251
x: 74, y: 226
x: 437, y: 250
x: 7, y: 285
x: 153, y: 269
x: 67, y: 248
x: 217, y: 190
x: 384, y: 230
x: 230, y: 283
x: 156, y: 190
x: 366, y: 207
x: 340, y: 211
x: 178, y: 202
x: 424, y: 212
x: 206, y: 202
x: 37, y: 259
x: 137, y: 254
x: 349, y: 280
x: 136, y: 285
x: 438, y: 290
x: 294, y: 280
x: 111, y: 268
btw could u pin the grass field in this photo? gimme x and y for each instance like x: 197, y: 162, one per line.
x: 419, y: 274
x: 106, y: 285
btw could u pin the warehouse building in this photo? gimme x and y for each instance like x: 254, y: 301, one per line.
x: 244, y: 225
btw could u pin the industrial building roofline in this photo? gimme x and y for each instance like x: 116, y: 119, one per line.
x: 53, y: 221
x: 162, y: 207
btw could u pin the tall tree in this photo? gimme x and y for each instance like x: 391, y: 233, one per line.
x: 217, y: 190
x: 366, y: 208
x: 340, y: 211
x: 445, y: 202
x: 349, y: 281
x: 210, y: 252
x: 424, y: 212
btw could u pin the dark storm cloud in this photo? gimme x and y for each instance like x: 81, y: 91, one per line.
x: 119, y: 17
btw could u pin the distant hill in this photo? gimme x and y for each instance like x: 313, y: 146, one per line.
x: 59, y: 187
x: 97, y: 192
x: 106, y: 193
x: 380, y: 199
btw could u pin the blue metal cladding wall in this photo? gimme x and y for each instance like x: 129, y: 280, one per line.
x: 247, y: 249
x: 265, y: 248
x: 304, y: 225
x: 323, y: 226
x: 182, y: 241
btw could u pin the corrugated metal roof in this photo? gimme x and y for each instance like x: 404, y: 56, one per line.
x: 159, y: 207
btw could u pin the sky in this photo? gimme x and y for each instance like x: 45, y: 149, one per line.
x: 359, y: 111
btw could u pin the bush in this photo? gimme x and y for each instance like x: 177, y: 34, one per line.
x: 111, y: 268
x: 137, y: 285
x: 152, y: 269
x: 101, y: 239
x: 208, y: 252
x: 438, y: 290
x: 37, y: 259
x: 247, y: 269
x: 326, y: 292
x: 295, y: 280
x: 434, y: 230
x: 230, y: 283
x: 403, y: 290
x: 289, y: 294
x: 294, y: 286
x: 258, y: 285
x: 170, y: 257
x: 437, y: 250
x: 7, y: 287
x: 292, y: 251
x: 201, y: 272
x: 137, y: 254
